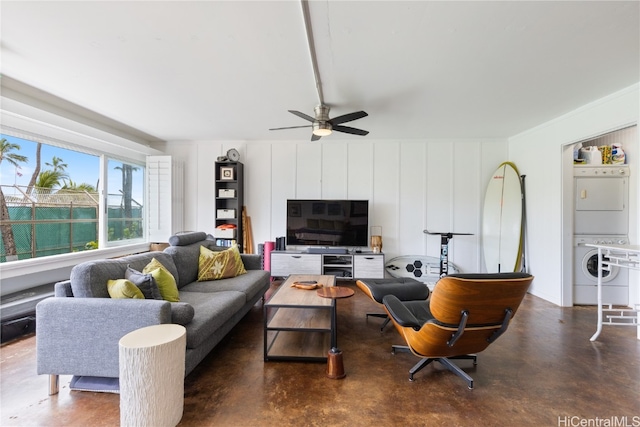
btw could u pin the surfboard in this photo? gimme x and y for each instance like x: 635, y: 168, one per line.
x: 425, y: 269
x: 502, y: 220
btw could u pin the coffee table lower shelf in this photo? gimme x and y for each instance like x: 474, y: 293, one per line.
x: 297, y: 345
x: 298, y: 323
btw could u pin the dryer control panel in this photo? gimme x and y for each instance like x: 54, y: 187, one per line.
x: 612, y: 171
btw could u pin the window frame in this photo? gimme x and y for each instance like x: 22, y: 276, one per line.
x: 41, y: 117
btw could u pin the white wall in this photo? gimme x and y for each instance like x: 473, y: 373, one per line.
x: 411, y: 186
x: 415, y: 185
x: 543, y: 156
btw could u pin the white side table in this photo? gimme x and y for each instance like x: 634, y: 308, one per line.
x: 152, y: 366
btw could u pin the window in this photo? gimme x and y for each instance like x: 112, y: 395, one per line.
x: 55, y: 209
x: 125, y: 200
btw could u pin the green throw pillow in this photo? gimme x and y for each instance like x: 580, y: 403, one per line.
x: 219, y: 265
x: 164, y: 279
x: 123, y: 288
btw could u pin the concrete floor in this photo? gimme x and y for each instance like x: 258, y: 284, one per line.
x: 543, y: 372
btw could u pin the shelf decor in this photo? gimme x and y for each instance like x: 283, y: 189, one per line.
x: 376, y: 239
x: 227, y: 174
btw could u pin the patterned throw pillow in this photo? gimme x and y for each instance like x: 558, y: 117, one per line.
x: 219, y: 265
x: 164, y: 279
x: 123, y: 288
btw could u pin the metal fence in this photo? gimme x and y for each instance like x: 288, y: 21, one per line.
x: 46, y: 222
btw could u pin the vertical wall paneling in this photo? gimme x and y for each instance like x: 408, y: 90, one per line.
x: 412, y: 191
x: 258, y: 190
x: 334, y: 171
x: 360, y: 171
x: 283, y: 186
x: 466, y: 205
x: 439, y: 202
x: 384, y: 209
x: 309, y: 170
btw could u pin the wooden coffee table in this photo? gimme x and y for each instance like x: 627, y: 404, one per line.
x: 299, y: 324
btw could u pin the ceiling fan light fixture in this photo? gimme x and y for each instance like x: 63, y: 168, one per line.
x: 322, y: 129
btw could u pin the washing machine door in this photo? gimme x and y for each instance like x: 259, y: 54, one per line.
x: 590, y: 268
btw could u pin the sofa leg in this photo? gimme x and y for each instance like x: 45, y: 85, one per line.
x: 54, y: 381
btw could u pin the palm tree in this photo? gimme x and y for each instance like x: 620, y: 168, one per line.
x: 36, y: 171
x: 59, y: 168
x: 6, y: 153
x: 49, y: 179
x: 70, y: 185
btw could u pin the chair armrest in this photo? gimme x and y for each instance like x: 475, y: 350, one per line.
x: 79, y: 336
x: 400, y: 314
x: 251, y: 261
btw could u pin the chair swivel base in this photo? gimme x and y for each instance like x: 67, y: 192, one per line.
x: 444, y: 361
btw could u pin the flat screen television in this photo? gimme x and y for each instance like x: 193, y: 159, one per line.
x: 343, y: 223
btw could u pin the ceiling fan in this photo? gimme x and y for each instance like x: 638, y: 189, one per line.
x: 322, y: 125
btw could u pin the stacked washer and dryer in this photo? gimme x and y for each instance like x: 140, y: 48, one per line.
x: 601, y: 216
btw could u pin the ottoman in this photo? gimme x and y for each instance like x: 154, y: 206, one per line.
x: 403, y: 288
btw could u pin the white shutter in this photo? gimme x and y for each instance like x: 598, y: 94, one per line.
x: 164, y: 198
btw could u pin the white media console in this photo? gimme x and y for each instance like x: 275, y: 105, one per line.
x: 364, y: 265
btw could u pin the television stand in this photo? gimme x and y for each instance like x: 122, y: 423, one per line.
x: 343, y: 265
x: 327, y: 250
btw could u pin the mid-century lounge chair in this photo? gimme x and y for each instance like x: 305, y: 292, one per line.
x: 464, y: 315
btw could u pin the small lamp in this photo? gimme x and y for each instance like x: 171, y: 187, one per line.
x: 376, y: 239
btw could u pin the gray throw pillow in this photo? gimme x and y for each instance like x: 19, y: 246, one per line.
x: 145, y: 282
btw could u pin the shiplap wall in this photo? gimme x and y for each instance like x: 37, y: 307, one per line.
x: 411, y: 185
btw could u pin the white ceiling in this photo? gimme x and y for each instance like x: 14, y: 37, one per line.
x: 230, y: 70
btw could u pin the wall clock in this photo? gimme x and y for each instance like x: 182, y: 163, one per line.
x: 233, y: 155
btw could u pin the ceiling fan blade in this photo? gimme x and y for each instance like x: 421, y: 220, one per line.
x: 347, y: 129
x: 302, y: 115
x: 292, y: 127
x: 348, y: 117
x: 315, y: 137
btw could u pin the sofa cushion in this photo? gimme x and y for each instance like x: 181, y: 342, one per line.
x: 185, y: 259
x: 145, y: 282
x: 250, y: 284
x: 181, y: 313
x: 123, y: 288
x: 211, y: 312
x: 164, y: 279
x: 219, y: 265
x: 89, y: 279
x: 185, y: 239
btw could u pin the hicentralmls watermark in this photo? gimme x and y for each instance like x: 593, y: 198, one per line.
x: 613, y: 421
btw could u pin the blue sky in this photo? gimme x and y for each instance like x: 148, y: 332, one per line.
x: 81, y: 167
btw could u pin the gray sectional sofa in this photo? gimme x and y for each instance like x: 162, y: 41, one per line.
x: 77, y: 330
